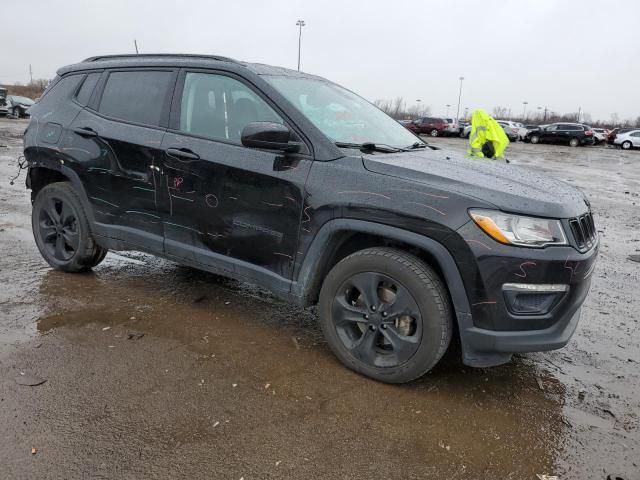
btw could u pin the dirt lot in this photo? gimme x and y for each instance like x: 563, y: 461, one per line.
x: 154, y: 370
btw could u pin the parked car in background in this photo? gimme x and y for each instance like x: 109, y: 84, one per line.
x: 617, y: 131
x: 515, y: 127
x: 453, y: 126
x: 19, y: 106
x: 404, y: 122
x: 429, y: 125
x: 514, y: 130
x: 462, y: 125
x: 600, y: 135
x: 572, y: 134
x: 628, y: 140
x: 4, y: 104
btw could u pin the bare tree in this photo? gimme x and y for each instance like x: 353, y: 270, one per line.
x: 500, y: 112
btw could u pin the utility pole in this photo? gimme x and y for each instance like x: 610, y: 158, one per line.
x: 524, y: 111
x: 135, y: 44
x: 459, y: 97
x: 30, y: 73
x: 448, y: 106
x: 579, y: 113
x: 300, y: 24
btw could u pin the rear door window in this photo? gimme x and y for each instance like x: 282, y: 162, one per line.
x: 136, y: 96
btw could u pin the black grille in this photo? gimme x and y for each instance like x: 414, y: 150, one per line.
x: 584, y: 231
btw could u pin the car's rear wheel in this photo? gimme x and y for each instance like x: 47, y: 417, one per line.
x: 386, y: 314
x: 434, y: 133
x: 574, y: 142
x: 61, y: 230
x: 534, y: 139
x: 626, y: 145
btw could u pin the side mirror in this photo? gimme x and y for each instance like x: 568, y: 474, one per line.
x: 269, y: 136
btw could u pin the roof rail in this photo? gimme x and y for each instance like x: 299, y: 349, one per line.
x: 158, y: 55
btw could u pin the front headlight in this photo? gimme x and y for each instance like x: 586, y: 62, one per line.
x: 519, y: 230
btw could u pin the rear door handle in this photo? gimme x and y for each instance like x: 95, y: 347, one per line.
x: 182, y: 154
x: 86, y: 132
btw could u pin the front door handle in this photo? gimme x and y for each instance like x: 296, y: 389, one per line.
x: 182, y: 154
x: 86, y: 132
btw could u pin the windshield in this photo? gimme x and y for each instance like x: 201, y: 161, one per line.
x: 340, y: 114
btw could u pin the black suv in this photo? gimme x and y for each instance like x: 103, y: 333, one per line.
x: 288, y: 181
x: 573, y: 134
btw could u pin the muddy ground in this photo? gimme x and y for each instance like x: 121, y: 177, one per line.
x: 154, y: 370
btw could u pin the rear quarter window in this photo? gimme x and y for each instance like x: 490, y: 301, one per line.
x: 62, y: 90
x: 84, y: 94
x: 136, y: 96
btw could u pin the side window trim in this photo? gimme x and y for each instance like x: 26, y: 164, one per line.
x: 96, y: 98
x: 175, y: 111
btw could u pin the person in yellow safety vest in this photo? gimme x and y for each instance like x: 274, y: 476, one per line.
x: 487, y: 138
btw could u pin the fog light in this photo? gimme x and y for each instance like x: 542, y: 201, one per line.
x: 532, y: 299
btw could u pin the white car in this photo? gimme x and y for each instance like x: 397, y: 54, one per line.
x: 600, y: 134
x: 516, y: 128
x: 628, y: 140
x: 452, y: 129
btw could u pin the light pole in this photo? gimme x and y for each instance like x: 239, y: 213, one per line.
x: 300, y: 24
x: 448, y: 106
x: 524, y: 111
x: 459, y: 97
x: 418, y: 107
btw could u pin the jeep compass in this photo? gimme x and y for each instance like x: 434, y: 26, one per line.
x: 291, y: 182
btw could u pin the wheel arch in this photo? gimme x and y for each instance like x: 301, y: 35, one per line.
x: 341, y: 237
x: 40, y: 176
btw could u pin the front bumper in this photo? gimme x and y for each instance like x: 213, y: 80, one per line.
x: 492, y: 332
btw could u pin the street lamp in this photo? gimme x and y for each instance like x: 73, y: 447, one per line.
x: 459, y: 96
x: 300, y: 24
x: 524, y: 110
x: 448, y: 106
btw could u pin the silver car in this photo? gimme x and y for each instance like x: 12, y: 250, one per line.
x: 628, y: 140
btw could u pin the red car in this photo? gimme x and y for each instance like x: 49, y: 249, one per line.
x: 429, y: 125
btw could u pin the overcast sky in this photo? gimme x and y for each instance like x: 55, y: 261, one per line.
x: 559, y: 54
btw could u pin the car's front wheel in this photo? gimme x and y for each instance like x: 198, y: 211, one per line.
x: 626, y: 145
x: 385, y: 314
x: 61, y: 230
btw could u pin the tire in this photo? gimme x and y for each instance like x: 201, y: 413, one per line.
x: 61, y: 230
x: 534, y: 139
x: 362, y: 325
x: 574, y: 142
x: 434, y: 133
x: 626, y: 145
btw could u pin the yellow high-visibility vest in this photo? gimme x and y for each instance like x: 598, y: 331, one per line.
x: 483, y: 128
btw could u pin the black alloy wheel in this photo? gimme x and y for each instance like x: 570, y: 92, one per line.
x: 377, y: 319
x: 61, y: 229
x: 385, y: 313
x: 58, y: 224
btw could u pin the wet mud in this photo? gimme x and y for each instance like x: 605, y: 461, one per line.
x: 155, y: 370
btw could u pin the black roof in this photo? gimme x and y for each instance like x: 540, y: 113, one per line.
x: 178, y: 60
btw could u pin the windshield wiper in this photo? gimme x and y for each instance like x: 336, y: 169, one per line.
x: 418, y: 145
x: 370, y: 147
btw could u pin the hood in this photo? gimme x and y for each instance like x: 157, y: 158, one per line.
x: 507, y: 187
